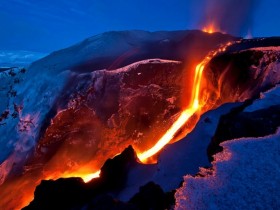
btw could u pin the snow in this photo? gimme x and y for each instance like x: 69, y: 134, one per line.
x: 132, y: 66
x: 177, y: 159
x: 269, y: 98
x: 276, y: 48
x: 246, y: 176
x: 36, y: 93
x: 103, y: 50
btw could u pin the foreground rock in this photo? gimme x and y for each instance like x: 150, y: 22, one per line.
x: 252, y: 119
x: 73, y: 193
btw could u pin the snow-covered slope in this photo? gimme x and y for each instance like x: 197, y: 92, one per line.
x: 245, y: 175
x: 18, y: 58
x: 116, y: 49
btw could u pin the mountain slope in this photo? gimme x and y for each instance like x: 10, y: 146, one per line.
x: 112, y: 50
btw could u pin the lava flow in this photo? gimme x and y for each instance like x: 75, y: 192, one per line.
x: 30, y: 180
x: 197, y: 103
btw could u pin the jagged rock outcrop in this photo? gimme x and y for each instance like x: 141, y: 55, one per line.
x: 73, y: 193
x: 252, y: 119
x: 241, y: 75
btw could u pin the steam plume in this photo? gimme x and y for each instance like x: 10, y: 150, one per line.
x: 231, y: 16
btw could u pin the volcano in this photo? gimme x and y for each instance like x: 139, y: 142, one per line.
x: 143, y: 120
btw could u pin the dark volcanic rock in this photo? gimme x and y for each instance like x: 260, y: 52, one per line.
x: 242, y: 75
x: 151, y: 196
x: 114, y: 171
x: 111, y: 110
x: 107, y: 202
x: 73, y: 193
x: 238, y: 124
x: 62, y: 194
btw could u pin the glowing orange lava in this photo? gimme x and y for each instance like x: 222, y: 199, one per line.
x: 195, y: 106
x: 211, y: 28
x: 24, y: 186
x: 182, y: 119
x: 85, y: 177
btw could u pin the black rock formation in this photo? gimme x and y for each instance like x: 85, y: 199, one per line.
x: 151, y: 196
x: 73, y: 193
x: 238, y: 124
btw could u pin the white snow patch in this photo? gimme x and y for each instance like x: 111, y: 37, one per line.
x: 248, y: 178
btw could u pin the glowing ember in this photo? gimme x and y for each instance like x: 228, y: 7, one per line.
x: 85, y: 177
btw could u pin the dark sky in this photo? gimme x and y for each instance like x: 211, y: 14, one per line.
x: 49, y: 25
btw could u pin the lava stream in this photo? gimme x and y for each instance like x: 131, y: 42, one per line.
x: 195, y: 106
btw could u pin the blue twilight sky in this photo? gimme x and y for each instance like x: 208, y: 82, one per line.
x: 47, y: 25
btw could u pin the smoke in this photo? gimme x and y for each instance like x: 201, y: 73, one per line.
x: 231, y: 16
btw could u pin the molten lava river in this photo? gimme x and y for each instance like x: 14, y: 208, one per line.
x: 17, y: 192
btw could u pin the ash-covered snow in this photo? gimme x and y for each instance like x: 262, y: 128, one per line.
x: 27, y: 97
